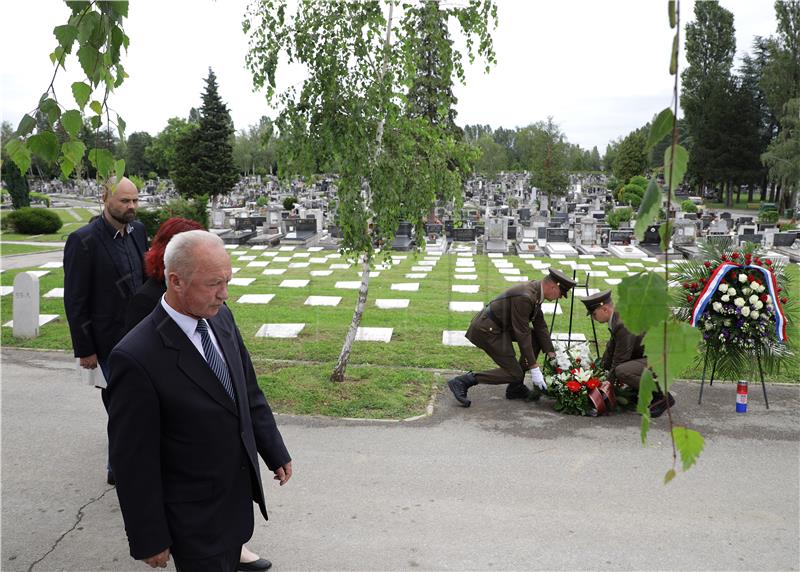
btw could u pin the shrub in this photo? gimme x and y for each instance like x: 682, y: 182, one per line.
x: 288, y: 203
x: 631, y: 194
x: 619, y: 215
x: 194, y: 209
x: 768, y: 217
x: 29, y: 220
x: 639, y: 181
x: 688, y: 206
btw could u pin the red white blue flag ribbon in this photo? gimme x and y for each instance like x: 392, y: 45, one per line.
x: 716, y: 279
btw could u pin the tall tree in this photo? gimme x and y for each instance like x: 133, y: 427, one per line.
x: 710, y: 48
x: 351, y: 111
x: 136, y: 161
x: 631, y: 157
x: 548, y: 164
x: 161, y: 151
x: 493, y: 156
x: 204, y: 156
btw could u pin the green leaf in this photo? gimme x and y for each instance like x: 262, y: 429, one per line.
x: 119, y: 168
x: 45, y: 145
x: 661, y: 127
x: 103, y: 161
x: 96, y: 106
x: 673, y: 62
x: 121, y: 127
x: 89, y: 59
x: 26, y: 125
x: 671, y: 10
x: 66, y: 36
x: 81, y: 92
x: 683, y: 341
x: 643, y: 301
x: 648, y: 210
x: 73, y: 151
x: 66, y: 167
x: 665, y: 232
x: 676, y: 169
x: 71, y: 121
x: 50, y: 109
x: 669, y: 476
x: 19, y: 153
x: 57, y: 56
x: 646, y: 389
x: 689, y: 444
x: 95, y: 121
x: 119, y: 8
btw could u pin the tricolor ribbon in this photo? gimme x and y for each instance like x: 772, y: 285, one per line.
x: 716, y: 279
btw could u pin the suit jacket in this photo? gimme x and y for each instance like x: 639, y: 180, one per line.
x: 623, y: 346
x: 185, y: 457
x: 509, y: 314
x: 96, y: 290
x: 143, y: 302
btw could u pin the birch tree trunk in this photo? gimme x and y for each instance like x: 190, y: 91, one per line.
x: 341, y: 364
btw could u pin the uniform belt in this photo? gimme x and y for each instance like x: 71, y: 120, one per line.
x: 492, y: 317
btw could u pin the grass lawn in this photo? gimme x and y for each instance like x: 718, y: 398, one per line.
x: 741, y: 204
x: 385, y: 380
x: 7, y: 249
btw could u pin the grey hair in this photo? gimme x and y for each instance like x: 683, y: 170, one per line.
x: 178, y: 254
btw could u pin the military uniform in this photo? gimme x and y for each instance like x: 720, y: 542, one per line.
x: 506, y: 320
x: 624, y: 358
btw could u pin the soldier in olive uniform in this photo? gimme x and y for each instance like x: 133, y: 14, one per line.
x: 624, y: 358
x: 507, y: 319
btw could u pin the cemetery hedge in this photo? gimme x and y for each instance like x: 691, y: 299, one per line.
x: 385, y: 380
x: 30, y: 220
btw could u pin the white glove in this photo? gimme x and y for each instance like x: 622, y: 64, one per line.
x: 538, y: 379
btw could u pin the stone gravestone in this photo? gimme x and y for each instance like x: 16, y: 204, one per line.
x: 26, y: 305
x: 557, y: 235
x: 621, y: 236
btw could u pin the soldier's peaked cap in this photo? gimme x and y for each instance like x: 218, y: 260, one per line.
x: 596, y: 300
x: 564, y: 282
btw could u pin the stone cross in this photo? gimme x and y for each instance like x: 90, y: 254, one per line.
x: 26, y: 305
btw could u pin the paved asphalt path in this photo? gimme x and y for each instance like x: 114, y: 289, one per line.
x: 499, y: 486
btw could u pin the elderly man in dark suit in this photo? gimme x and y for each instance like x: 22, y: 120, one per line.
x: 506, y: 319
x: 187, y: 420
x: 624, y: 358
x: 103, y: 268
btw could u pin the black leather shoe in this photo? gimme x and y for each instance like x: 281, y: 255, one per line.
x: 110, y: 478
x: 459, y: 386
x: 659, y: 405
x: 256, y: 566
x: 517, y: 391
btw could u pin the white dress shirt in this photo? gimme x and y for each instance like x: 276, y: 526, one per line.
x: 188, y: 325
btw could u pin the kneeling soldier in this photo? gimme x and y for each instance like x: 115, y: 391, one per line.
x: 505, y: 320
x: 624, y: 358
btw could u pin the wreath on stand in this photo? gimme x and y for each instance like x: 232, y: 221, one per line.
x: 738, y: 298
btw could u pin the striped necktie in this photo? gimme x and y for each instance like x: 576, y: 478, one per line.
x: 215, y: 360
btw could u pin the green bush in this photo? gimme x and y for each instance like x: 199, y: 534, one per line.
x: 631, y: 194
x: 639, y: 181
x: 39, y: 198
x: 619, y: 215
x: 288, y: 203
x: 768, y: 217
x: 785, y: 227
x: 29, y: 220
x: 688, y: 206
x: 193, y: 209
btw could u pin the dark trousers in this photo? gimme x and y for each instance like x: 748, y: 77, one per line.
x: 501, y: 349
x: 630, y: 372
x: 225, y: 562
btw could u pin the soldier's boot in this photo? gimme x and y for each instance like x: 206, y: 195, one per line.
x: 517, y: 391
x: 660, y: 403
x: 459, y: 386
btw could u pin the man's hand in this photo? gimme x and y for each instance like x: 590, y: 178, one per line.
x: 551, y: 355
x: 89, y: 362
x: 538, y: 379
x: 159, y: 560
x: 284, y: 473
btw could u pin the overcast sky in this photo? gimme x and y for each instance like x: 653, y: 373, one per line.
x: 600, y: 68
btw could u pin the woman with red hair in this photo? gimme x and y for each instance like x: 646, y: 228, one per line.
x: 151, y: 291
x: 143, y: 303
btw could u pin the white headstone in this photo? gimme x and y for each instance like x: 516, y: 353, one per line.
x: 323, y: 300
x: 55, y: 293
x: 242, y: 281
x: 455, y: 338
x: 391, y: 303
x: 321, y: 272
x: 279, y: 330
x: 6, y: 290
x: 348, y: 285
x: 613, y: 281
x: 255, y: 298
x: 466, y: 288
x: 466, y: 306
x: 374, y: 335
x: 466, y: 276
x: 294, y: 283
x: 26, y: 306
x: 406, y: 286
x: 416, y: 275
x: 274, y: 271
x: 258, y: 264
